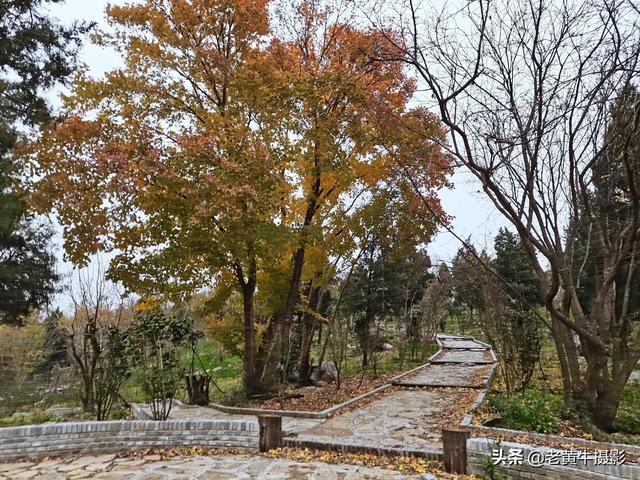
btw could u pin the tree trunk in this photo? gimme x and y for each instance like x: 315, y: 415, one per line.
x: 308, y: 327
x: 87, y: 394
x: 250, y: 379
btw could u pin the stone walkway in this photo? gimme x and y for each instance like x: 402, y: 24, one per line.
x: 110, y: 467
x: 405, y: 421
x: 408, y: 420
x: 463, y: 375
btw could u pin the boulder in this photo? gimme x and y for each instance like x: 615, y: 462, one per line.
x: 62, y: 411
x: 387, y: 347
x: 326, y: 372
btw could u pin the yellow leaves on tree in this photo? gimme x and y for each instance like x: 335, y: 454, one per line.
x: 231, y: 149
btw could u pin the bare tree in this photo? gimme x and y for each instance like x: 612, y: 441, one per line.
x: 98, y: 314
x: 526, y: 90
x: 433, y: 309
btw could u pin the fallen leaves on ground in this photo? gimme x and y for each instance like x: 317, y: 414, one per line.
x: 316, y: 399
x: 167, y: 453
x: 399, y: 463
x: 454, y: 413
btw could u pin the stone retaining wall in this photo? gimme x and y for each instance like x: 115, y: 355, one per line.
x: 114, y: 436
x: 479, y: 449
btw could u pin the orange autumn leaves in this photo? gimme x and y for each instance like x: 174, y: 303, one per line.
x: 229, y: 138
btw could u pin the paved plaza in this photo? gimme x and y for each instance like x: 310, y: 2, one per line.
x: 235, y: 467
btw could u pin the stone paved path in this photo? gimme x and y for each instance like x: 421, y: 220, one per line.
x: 463, y: 375
x: 461, y: 343
x: 463, y: 356
x: 235, y: 467
x: 410, y: 419
x: 401, y: 420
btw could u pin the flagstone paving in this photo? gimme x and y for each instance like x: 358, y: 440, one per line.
x: 461, y: 343
x: 409, y: 419
x: 463, y: 356
x: 447, y: 375
x: 234, y: 467
x: 401, y: 420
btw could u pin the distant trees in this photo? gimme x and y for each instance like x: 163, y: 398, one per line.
x: 21, y: 350
x: 35, y: 54
x: 500, y: 296
x: 387, y: 286
x: 53, y: 343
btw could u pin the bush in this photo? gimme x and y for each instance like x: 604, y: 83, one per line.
x: 154, y: 343
x: 628, y: 418
x: 531, y: 410
x: 227, y: 330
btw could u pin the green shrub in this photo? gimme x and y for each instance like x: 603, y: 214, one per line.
x: 628, y: 418
x: 490, y: 470
x: 531, y: 410
x: 154, y: 343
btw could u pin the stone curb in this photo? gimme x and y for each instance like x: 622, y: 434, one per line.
x: 542, y: 437
x: 478, y: 449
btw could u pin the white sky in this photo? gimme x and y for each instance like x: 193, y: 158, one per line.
x: 474, y: 216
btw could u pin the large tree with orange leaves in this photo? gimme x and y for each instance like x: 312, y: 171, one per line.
x: 232, y: 149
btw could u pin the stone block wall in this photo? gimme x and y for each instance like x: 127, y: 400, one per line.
x: 123, y: 435
x: 478, y: 449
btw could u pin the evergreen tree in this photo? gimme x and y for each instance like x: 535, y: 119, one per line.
x: 514, y: 267
x: 54, y: 343
x: 612, y: 201
x: 521, y: 327
x: 388, y: 282
x: 35, y: 54
x: 27, y: 275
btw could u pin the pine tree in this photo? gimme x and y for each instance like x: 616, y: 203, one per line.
x: 35, y: 54
x: 514, y: 267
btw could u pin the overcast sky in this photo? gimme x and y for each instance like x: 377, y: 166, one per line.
x: 474, y: 216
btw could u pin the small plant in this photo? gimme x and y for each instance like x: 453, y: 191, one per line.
x: 530, y: 410
x: 628, y: 418
x: 489, y: 470
x: 154, y: 344
x: 110, y: 373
